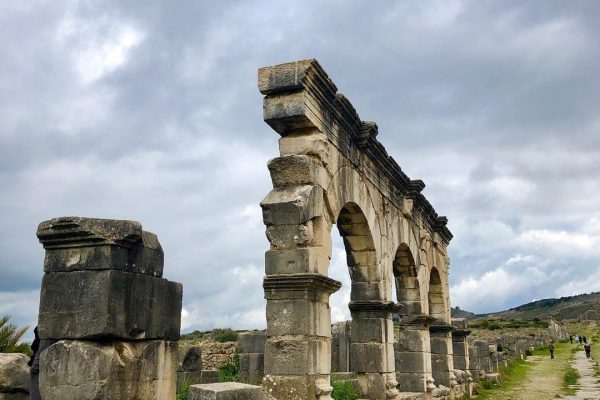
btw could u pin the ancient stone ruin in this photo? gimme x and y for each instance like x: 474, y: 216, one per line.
x: 109, y: 322
x: 113, y: 319
x: 332, y: 170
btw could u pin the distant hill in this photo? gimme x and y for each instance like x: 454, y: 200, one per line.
x: 456, y: 312
x: 571, y: 307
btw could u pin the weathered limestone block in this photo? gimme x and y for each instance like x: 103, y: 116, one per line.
x: 14, y: 373
x: 340, y: 346
x: 295, y: 356
x: 109, y: 304
x: 76, y: 244
x: 297, y: 170
x: 250, y: 342
x: 284, y: 237
x: 226, y: 391
x: 314, y: 144
x: 81, y: 370
x: 188, y: 378
x: 297, y: 261
x: 292, y: 206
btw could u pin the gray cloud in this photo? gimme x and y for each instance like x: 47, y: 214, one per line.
x: 149, y: 111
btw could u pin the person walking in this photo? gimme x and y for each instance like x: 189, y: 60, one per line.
x: 551, y: 348
x: 571, y: 339
x: 584, y: 340
x: 588, y: 349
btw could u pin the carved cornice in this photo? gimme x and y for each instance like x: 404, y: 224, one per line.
x: 374, y: 305
x: 313, y: 103
x: 439, y: 327
x: 69, y: 232
x: 300, y: 283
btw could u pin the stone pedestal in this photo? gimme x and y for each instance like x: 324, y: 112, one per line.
x: 442, y: 364
x: 412, y: 355
x: 114, y: 318
x: 298, y: 346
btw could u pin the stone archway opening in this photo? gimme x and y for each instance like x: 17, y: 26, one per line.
x: 367, y: 347
x: 437, y: 306
x: 408, y: 292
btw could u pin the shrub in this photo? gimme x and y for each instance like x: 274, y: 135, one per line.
x: 225, y: 335
x: 10, y: 336
x: 343, y: 390
x: 229, y: 372
x: 494, y: 326
x: 528, y: 353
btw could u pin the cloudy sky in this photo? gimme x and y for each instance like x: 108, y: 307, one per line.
x: 149, y: 110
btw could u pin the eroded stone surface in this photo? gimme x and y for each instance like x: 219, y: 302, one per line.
x: 77, y: 243
x: 109, y: 304
x: 78, y: 370
x: 14, y: 372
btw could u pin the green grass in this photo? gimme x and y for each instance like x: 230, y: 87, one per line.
x: 343, y: 390
x: 184, y: 392
x: 511, y: 376
x: 571, y: 378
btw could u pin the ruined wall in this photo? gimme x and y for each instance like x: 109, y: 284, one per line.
x: 332, y: 170
x: 113, y: 320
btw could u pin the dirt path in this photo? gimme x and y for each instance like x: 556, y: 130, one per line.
x: 588, y: 387
x: 543, y: 380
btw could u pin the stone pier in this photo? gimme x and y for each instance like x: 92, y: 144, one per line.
x: 413, y: 355
x: 114, y: 318
x: 442, y: 363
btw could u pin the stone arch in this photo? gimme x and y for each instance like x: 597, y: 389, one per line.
x: 361, y: 255
x: 370, y: 345
x: 408, y: 291
x: 437, y: 305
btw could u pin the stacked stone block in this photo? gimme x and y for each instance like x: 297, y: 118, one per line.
x: 442, y: 363
x: 483, y: 353
x: 251, y: 352
x: 115, y: 319
x: 413, y: 355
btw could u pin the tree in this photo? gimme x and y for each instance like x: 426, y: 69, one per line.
x: 10, y: 336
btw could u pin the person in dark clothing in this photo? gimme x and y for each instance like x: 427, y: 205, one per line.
x: 551, y: 348
x: 571, y: 339
x: 499, y: 348
x: 588, y: 349
x: 38, y: 346
x: 584, y: 340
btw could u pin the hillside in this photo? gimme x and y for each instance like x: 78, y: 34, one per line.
x: 571, y: 307
x: 456, y: 312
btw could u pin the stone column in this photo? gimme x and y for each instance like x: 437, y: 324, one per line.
x: 115, y: 319
x: 372, y: 348
x: 442, y: 364
x: 412, y: 354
